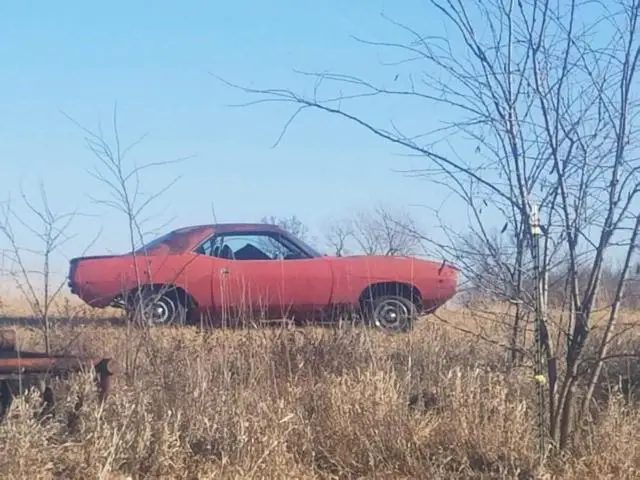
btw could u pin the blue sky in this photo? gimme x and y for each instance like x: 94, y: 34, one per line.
x: 155, y: 62
x: 81, y: 58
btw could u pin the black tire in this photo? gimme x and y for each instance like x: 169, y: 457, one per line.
x: 391, y: 313
x: 159, y: 308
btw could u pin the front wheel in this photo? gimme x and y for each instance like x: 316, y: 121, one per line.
x: 391, y: 313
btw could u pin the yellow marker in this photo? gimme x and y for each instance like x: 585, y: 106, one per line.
x: 540, y: 378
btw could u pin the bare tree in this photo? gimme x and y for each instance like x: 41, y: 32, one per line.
x: 379, y: 231
x: 50, y: 230
x: 550, y: 110
x: 385, y: 232
x: 337, y: 237
x: 122, y: 178
x: 123, y: 181
x: 291, y: 224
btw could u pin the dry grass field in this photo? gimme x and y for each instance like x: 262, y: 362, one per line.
x: 308, y: 403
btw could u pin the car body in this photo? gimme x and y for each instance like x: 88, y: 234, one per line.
x: 216, y: 269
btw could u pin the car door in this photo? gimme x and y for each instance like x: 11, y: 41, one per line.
x: 268, y: 277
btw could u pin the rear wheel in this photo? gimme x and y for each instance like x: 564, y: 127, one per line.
x: 158, y: 308
x: 391, y: 313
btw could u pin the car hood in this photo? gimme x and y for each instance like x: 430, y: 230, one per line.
x: 382, y: 267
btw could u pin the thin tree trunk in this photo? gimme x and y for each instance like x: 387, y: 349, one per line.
x: 45, y: 313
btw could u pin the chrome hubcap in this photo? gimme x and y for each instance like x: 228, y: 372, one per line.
x: 160, y: 311
x: 391, y: 314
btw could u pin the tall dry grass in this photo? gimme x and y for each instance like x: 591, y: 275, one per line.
x: 305, y: 403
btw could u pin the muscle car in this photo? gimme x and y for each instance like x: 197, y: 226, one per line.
x: 214, y: 271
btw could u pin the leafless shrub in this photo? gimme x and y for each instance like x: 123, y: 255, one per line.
x: 31, y: 268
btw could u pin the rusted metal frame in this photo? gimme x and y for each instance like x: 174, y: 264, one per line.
x: 27, y: 367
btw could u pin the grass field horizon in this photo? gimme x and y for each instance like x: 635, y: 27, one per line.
x: 309, y: 402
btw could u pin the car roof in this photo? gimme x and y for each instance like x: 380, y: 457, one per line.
x: 231, y: 227
x: 243, y: 227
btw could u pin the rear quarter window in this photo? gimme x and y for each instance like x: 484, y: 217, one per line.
x: 178, y: 243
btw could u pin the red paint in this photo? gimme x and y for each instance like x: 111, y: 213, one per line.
x: 306, y: 283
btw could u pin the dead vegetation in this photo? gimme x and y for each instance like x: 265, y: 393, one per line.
x: 312, y: 403
x: 551, y: 112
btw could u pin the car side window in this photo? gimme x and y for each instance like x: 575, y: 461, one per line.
x: 249, y: 247
x: 208, y: 247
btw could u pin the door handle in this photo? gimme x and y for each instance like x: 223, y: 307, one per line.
x: 224, y: 270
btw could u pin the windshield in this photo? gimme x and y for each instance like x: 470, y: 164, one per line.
x: 309, y: 248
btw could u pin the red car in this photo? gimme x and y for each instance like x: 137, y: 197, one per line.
x: 214, y: 271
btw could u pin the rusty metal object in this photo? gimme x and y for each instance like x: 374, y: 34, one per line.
x: 7, y: 340
x: 19, y: 370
